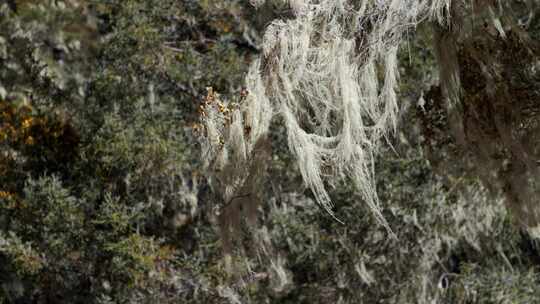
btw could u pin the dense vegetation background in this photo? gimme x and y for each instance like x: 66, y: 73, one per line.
x: 102, y: 198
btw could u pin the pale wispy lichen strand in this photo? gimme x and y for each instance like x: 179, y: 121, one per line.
x: 331, y: 73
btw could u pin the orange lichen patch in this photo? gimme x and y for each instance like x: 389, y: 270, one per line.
x: 11, y: 201
x: 27, y: 123
x: 21, y: 125
x: 47, y: 141
x: 29, y: 141
x: 198, y: 128
x: 212, y: 105
x: 15, y: 122
x: 212, y: 100
x: 6, y: 194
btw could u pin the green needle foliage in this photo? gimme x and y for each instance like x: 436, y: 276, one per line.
x: 145, y: 151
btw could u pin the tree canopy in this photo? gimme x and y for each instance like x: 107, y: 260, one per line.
x: 302, y: 151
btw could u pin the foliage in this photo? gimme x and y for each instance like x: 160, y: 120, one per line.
x: 90, y: 213
x: 107, y: 196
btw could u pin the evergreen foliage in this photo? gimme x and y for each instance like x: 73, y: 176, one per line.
x: 180, y: 151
